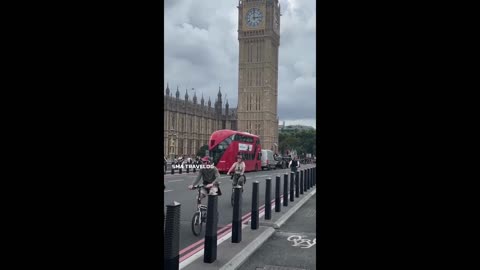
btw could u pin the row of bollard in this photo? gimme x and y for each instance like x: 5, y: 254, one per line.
x: 300, y: 182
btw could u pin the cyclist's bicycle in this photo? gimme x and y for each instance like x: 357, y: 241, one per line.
x: 200, y: 215
x: 240, y: 178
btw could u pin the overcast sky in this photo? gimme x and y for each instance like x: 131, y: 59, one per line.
x: 201, y: 52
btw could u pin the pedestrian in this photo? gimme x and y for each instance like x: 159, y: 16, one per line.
x: 294, y: 164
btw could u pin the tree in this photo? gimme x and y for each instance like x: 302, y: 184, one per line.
x: 301, y: 141
x: 201, y: 151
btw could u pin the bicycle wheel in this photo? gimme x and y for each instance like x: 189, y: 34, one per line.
x: 196, y: 224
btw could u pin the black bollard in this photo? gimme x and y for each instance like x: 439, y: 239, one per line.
x: 307, y: 185
x: 305, y: 179
x: 194, y: 168
x: 309, y: 180
x: 305, y: 176
x: 297, y: 184
x: 311, y: 177
x: 180, y: 170
x: 278, y: 206
x: 268, y: 204
x: 237, y: 215
x: 292, y: 178
x: 285, y: 189
x: 173, y: 170
x: 315, y: 175
x: 171, y: 244
x: 188, y: 168
x: 302, y: 184
x: 255, y: 213
x: 210, y: 245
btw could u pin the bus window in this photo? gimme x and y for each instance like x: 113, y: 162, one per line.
x: 218, y: 150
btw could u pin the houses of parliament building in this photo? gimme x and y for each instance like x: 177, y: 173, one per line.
x: 188, y: 124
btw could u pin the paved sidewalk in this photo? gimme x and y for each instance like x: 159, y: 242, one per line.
x: 292, y: 247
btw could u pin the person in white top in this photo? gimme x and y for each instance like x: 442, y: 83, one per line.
x: 239, y: 168
x: 294, y: 164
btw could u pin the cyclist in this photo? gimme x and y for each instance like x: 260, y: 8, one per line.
x: 239, y: 168
x: 209, y: 176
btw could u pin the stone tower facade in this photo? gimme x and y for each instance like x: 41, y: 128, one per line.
x: 259, y: 40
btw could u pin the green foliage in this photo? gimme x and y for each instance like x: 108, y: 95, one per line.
x: 201, y: 151
x: 302, y: 141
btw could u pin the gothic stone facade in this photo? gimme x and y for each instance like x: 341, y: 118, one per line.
x: 188, y: 124
x: 259, y: 39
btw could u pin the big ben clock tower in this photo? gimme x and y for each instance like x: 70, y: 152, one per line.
x: 259, y: 39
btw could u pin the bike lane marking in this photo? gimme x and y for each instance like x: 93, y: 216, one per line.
x: 302, y: 241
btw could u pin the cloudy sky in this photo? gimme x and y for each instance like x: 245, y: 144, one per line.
x: 201, y: 52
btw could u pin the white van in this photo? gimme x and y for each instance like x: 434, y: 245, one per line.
x: 268, y: 161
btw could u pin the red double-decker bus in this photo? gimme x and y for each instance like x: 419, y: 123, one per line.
x: 225, y: 145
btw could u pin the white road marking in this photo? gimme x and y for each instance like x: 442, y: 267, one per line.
x: 175, y: 181
x: 302, y: 243
x: 167, y: 190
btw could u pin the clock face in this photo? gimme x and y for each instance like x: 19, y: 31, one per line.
x: 254, y: 17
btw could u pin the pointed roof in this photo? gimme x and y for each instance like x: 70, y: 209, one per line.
x: 168, y: 90
x: 177, y: 94
x: 219, y: 92
x: 186, y: 94
x: 194, y: 96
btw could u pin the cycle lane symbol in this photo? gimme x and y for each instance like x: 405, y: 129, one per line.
x: 299, y: 241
